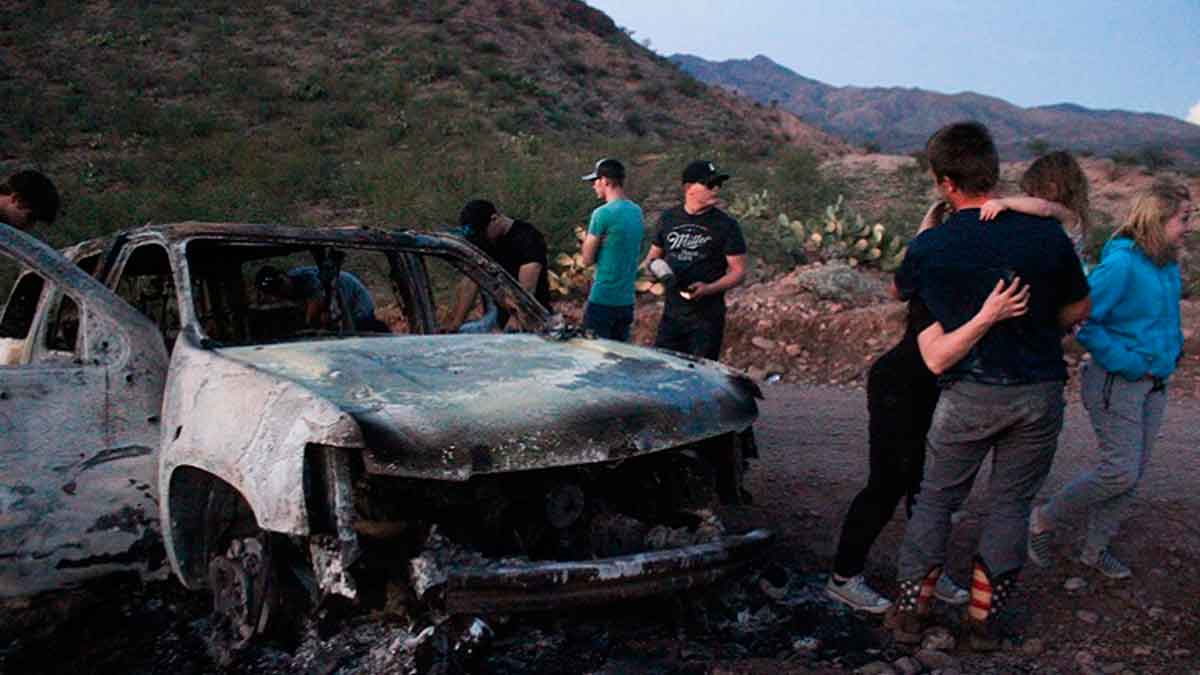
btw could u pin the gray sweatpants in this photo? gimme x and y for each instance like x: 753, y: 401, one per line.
x: 1019, y: 426
x: 1126, y: 416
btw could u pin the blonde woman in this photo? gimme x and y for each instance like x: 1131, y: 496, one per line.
x: 1134, y: 337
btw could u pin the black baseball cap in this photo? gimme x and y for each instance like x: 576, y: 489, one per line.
x: 703, y: 171
x: 606, y: 168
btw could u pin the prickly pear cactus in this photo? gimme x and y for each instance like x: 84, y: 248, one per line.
x: 846, y: 237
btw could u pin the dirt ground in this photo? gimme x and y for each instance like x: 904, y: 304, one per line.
x: 773, y: 618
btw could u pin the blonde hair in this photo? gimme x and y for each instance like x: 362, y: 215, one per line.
x: 1057, y: 177
x: 1146, y: 224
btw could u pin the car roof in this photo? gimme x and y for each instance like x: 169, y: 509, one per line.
x: 284, y: 234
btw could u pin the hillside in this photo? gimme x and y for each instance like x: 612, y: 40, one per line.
x: 900, y: 120
x: 372, y: 112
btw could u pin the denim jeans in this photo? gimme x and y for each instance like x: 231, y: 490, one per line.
x: 608, y: 321
x: 1018, y: 425
x: 1126, y: 417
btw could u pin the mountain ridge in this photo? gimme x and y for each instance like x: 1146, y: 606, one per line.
x: 900, y: 119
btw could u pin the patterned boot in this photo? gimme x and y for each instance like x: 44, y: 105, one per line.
x: 990, y: 596
x: 911, y: 611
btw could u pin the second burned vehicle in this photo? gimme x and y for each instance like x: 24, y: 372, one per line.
x: 298, y: 457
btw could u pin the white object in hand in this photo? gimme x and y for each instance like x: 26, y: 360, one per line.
x: 660, y: 269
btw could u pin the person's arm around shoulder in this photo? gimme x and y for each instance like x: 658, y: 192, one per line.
x: 941, y: 350
x: 1034, y: 206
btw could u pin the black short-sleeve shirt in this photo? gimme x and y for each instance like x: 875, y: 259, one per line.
x: 521, y: 245
x: 695, y: 246
x: 954, y: 266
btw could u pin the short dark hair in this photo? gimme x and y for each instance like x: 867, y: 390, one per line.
x: 36, y: 191
x: 474, y: 218
x: 965, y: 153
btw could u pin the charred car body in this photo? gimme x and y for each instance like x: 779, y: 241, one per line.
x: 486, y: 472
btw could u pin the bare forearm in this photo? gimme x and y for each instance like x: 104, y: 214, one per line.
x: 729, y: 280
x: 527, y: 276
x: 462, y: 304
x: 589, y: 250
x: 941, y: 350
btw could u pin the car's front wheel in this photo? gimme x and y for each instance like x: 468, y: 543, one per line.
x: 248, y: 582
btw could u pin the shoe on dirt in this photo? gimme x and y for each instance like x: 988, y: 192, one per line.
x: 1039, y: 543
x: 949, y: 592
x: 1107, y: 564
x: 857, y: 594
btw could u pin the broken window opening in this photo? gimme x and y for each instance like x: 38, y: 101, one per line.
x: 146, y: 282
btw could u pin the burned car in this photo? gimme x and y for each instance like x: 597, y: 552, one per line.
x: 301, y: 458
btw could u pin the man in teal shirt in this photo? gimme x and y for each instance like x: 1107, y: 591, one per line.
x: 614, y: 244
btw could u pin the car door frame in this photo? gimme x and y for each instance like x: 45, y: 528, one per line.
x: 80, y: 501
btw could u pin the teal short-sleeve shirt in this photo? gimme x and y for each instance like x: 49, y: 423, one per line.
x: 619, y: 223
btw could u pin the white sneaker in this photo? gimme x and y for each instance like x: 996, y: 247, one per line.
x: 949, y: 592
x: 857, y: 594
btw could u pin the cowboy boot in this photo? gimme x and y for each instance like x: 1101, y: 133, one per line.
x: 911, y: 611
x: 990, y: 596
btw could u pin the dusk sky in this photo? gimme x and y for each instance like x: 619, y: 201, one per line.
x: 1140, y: 55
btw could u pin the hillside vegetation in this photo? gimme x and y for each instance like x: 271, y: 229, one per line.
x: 393, y: 113
x: 385, y: 113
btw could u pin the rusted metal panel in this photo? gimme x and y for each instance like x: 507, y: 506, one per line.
x: 534, y: 586
x: 449, y: 407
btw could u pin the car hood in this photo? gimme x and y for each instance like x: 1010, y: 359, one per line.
x: 453, y: 406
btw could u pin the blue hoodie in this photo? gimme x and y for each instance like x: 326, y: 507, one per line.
x: 1133, y: 329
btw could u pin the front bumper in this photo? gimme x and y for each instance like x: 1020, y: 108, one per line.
x: 537, y: 586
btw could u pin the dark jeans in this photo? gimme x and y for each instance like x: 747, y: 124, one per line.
x: 901, y: 396
x: 1018, y: 426
x: 695, y: 334
x: 608, y: 321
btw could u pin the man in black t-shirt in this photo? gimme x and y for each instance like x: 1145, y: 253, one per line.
x: 706, y: 253
x: 515, y: 245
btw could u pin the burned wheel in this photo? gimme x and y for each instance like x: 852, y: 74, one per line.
x: 244, y: 590
x: 249, y: 585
